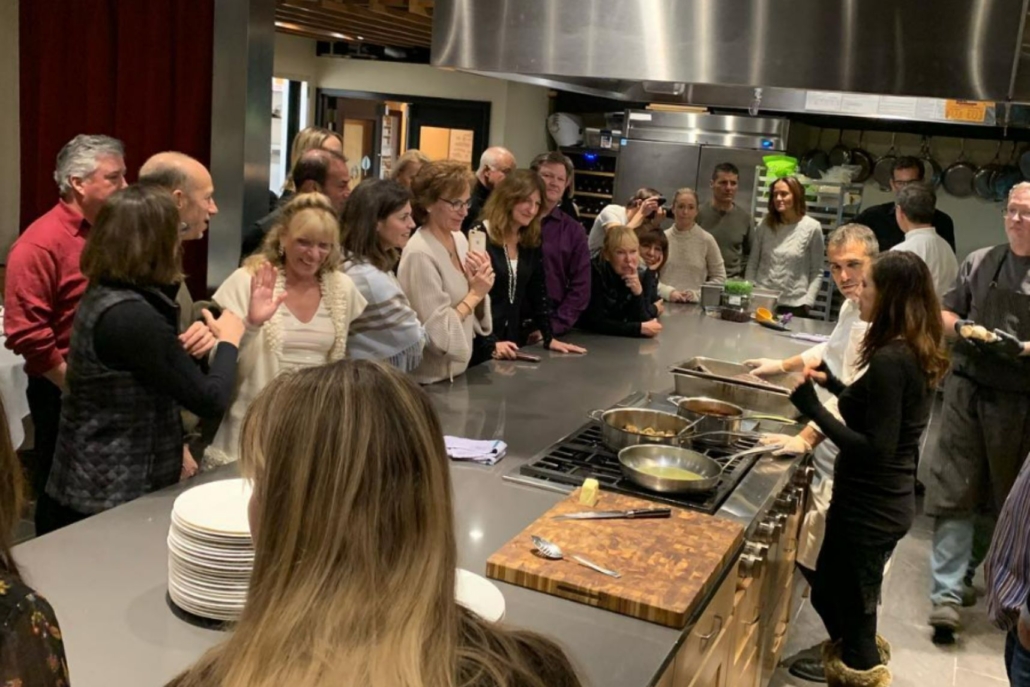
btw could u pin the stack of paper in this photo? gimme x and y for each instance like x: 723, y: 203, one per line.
x: 486, y: 452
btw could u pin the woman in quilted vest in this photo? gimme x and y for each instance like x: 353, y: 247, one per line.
x: 298, y: 268
x: 129, y: 375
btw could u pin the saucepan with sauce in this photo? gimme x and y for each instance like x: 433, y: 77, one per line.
x: 674, y: 470
x: 718, y: 421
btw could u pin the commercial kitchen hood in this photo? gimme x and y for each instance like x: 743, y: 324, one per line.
x: 766, y: 55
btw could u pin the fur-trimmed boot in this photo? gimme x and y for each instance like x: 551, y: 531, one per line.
x: 884, y: 647
x: 839, y: 675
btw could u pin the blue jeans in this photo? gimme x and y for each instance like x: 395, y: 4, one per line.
x: 960, y: 545
x: 1017, y: 661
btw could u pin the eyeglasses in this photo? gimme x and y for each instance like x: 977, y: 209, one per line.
x: 457, y: 205
x: 1015, y: 214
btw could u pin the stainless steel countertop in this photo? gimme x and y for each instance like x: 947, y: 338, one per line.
x: 106, y: 576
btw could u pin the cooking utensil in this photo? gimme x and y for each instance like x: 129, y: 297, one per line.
x: 884, y: 167
x: 634, y: 460
x: 616, y: 437
x: 958, y: 177
x: 815, y: 161
x: 774, y: 325
x: 638, y: 514
x: 733, y: 382
x: 840, y: 154
x: 932, y: 170
x: 864, y: 160
x: 983, y: 180
x: 710, y: 415
x: 551, y: 550
x: 1007, y: 177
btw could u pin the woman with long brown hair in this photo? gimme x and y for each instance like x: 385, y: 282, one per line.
x: 355, y: 552
x: 511, y: 220
x: 787, y: 249
x: 31, y: 648
x: 884, y: 414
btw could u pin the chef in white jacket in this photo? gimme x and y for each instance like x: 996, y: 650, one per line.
x: 849, y: 250
x: 914, y: 210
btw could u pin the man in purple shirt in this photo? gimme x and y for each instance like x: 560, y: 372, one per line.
x: 566, y: 256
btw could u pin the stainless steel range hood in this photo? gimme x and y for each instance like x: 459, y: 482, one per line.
x: 718, y: 52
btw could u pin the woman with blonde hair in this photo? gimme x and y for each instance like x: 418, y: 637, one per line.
x: 511, y: 220
x: 448, y: 285
x: 407, y: 166
x: 620, y: 291
x: 787, y: 250
x: 355, y: 552
x: 296, y: 268
x: 311, y: 138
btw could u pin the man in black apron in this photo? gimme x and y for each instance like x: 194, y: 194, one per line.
x: 985, y: 425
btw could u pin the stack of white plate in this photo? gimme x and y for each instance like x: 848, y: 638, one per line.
x: 210, y: 553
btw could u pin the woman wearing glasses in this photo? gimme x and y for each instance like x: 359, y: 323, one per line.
x: 448, y: 285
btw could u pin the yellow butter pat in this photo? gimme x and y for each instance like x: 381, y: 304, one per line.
x: 588, y: 493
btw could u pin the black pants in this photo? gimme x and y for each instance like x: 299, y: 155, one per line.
x: 846, y: 590
x: 45, y: 405
x: 52, y: 515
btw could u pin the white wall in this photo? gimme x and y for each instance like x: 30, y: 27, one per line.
x: 518, y: 112
x: 978, y: 223
x: 10, y: 161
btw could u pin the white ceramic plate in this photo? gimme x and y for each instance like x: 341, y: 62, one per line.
x: 479, y: 595
x: 217, y: 507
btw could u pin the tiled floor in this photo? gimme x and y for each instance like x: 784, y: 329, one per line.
x: 975, y: 660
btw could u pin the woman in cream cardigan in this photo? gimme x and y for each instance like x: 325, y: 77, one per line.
x: 298, y: 264
x: 448, y: 285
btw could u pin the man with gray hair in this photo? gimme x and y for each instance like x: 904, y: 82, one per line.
x: 914, y: 210
x: 850, y: 249
x: 44, y: 283
x: 495, y: 164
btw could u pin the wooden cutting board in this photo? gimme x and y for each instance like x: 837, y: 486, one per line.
x: 668, y: 566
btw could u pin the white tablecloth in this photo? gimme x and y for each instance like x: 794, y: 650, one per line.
x: 13, y: 383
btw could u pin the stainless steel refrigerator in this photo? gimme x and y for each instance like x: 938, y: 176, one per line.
x: 671, y: 150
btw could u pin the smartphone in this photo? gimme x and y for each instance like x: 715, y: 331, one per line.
x: 477, y: 240
x: 526, y: 357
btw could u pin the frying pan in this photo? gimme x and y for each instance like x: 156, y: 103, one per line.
x: 840, y: 154
x: 884, y: 167
x: 815, y: 161
x: 1024, y: 163
x: 1009, y: 176
x: 635, y: 460
x: 932, y: 171
x: 983, y: 180
x: 958, y: 177
x: 861, y: 157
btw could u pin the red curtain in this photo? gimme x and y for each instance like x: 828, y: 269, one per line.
x: 138, y: 71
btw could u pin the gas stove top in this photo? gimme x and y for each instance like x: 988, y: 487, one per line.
x: 565, y: 464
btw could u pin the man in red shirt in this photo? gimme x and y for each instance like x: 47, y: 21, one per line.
x: 44, y: 284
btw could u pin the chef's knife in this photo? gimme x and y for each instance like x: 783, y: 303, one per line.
x: 613, y: 514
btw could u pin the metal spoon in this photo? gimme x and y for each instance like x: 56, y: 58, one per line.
x: 551, y: 550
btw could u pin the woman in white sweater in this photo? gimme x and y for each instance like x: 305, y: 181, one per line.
x: 447, y: 285
x: 693, y: 257
x: 375, y: 227
x: 787, y: 252
x: 298, y: 265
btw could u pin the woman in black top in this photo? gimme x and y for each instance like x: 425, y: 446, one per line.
x: 511, y: 220
x: 621, y: 292
x: 129, y: 375
x: 885, y: 412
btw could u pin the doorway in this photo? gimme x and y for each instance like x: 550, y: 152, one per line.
x: 378, y: 128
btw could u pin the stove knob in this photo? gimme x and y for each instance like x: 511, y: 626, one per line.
x: 766, y: 531
x: 750, y: 566
x: 803, y: 477
x: 787, y: 502
x: 753, y: 548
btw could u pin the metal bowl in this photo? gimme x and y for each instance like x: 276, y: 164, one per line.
x: 614, y: 421
x: 633, y: 458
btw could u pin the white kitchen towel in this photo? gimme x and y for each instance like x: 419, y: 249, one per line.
x: 814, y: 338
x: 487, y: 451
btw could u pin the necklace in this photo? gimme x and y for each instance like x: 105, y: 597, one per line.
x: 511, y: 273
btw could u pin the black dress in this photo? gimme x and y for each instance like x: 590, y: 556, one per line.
x: 511, y: 306
x: 613, y: 308
x: 873, y: 504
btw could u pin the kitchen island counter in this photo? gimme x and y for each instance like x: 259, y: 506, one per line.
x: 106, y: 576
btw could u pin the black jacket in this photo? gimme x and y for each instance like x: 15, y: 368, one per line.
x: 881, y: 219
x: 478, y: 199
x: 530, y: 298
x: 613, y: 308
